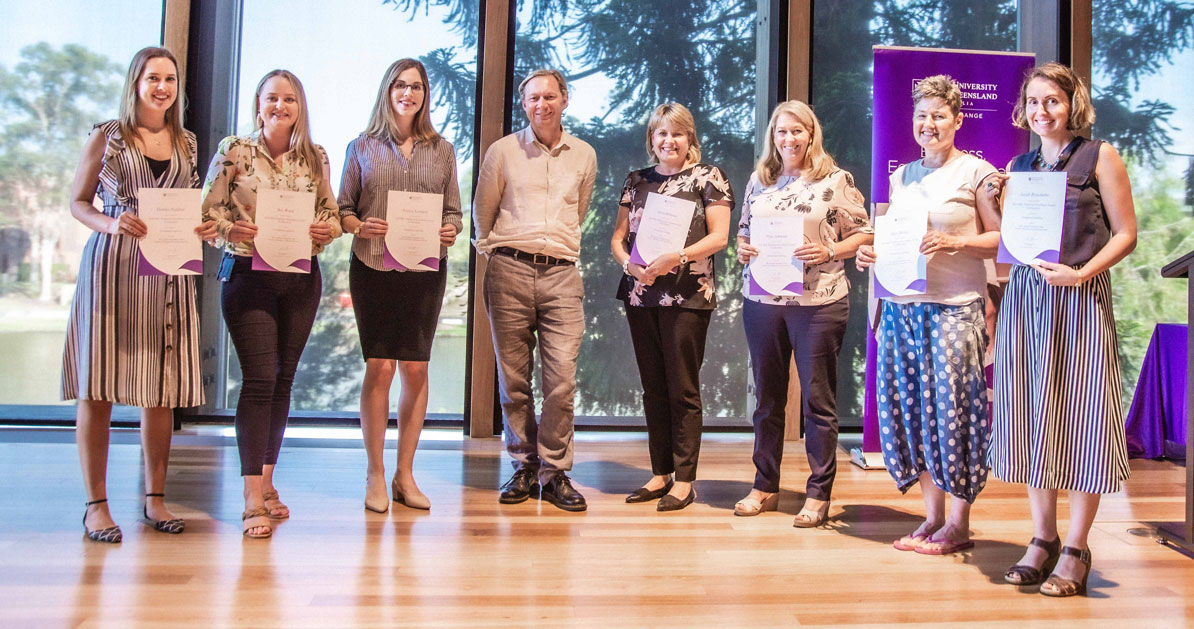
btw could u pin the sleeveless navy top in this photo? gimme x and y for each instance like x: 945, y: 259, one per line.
x: 1085, y: 228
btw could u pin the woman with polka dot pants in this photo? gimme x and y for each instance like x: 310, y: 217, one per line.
x: 932, y: 391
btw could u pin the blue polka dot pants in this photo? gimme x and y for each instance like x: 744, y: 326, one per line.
x: 932, y: 394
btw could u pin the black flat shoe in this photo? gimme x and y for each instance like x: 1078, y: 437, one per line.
x: 672, y: 503
x: 560, y: 492
x: 173, y: 526
x: 520, y: 487
x: 642, y: 494
x: 1021, y: 574
x: 110, y: 535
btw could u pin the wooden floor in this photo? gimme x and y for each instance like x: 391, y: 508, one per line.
x: 472, y: 562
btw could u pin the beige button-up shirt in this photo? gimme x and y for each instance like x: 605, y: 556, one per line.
x: 534, y: 198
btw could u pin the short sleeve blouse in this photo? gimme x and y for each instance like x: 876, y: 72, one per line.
x: 693, y: 285
x: 833, y: 204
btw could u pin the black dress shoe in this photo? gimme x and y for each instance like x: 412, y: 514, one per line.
x: 521, y: 486
x: 559, y: 492
x: 672, y: 503
x: 642, y: 494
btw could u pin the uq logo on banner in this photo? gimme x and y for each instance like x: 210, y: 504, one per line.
x: 990, y: 83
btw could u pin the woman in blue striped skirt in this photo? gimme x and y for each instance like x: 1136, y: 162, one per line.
x: 1058, y: 420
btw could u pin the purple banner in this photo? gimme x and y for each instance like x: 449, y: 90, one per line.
x: 990, y: 83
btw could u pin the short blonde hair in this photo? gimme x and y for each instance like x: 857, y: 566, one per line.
x: 1082, y: 112
x: 678, y: 116
x: 939, y: 86
x: 553, y: 73
x: 817, y: 163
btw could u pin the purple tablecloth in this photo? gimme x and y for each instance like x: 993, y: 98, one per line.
x: 1156, y: 424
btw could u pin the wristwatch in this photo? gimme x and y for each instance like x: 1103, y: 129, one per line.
x: 683, y: 258
x: 357, y: 231
x: 832, y: 253
x: 626, y: 266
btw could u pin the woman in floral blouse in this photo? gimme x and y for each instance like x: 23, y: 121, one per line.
x: 796, y: 177
x: 670, y: 299
x: 269, y: 314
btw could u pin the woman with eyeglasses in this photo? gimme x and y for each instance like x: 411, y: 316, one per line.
x: 396, y: 309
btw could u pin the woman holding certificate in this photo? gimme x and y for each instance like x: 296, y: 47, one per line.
x: 1058, y: 421
x: 801, y: 217
x: 398, y: 171
x: 672, y: 218
x: 132, y: 338
x: 932, y: 396
x: 269, y: 195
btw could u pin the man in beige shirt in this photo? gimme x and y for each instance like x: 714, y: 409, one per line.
x: 532, y: 195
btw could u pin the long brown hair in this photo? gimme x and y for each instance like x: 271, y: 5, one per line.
x: 300, y: 134
x: 817, y: 163
x: 382, y: 123
x: 127, y: 118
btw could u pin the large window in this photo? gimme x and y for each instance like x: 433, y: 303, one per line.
x: 339, y: 50
x: 844, y: 32
x: 62, y: 65
x: 623, y: 59
x: 1144, y: 101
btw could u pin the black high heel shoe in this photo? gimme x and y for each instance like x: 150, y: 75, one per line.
x: 1021, y: 574
x: 110, y: 535
x: 1061, y: 586
x: 173, y: 526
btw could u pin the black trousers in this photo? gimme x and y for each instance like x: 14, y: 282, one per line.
x: 814, y: 333
x: 669, y: 346
x: 269, y: 316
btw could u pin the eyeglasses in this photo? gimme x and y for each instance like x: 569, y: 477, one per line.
x: 414, y: 87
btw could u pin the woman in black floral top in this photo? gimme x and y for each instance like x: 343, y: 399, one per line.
x: 670, y: 300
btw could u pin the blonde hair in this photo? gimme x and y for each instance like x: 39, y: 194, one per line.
x: 939, y: 86
x: 1082, y: 112
x: 555, y: 74
x: 382, y: 123
x: 817, y: 163
x: 300, y: 134
x: 678, y: 116
x: 127, y: 117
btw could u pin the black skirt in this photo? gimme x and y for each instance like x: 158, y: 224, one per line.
x: 396, y: 311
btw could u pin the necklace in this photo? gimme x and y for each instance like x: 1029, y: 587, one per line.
x: 1040, y: 160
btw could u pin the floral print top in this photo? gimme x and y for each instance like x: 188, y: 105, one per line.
x: 833, y: 204
x: 692, y: 286
x: 240, y: 165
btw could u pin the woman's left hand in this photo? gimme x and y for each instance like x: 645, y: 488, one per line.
x: 321, y: 233
x: 813, y: 253
x: 1059, y: 274
x: 935, y: 241
x: 447, y: 235
x: 206, y: 231
x: 663, y: 265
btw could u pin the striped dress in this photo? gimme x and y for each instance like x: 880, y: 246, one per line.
x: 1059, y: 422
x: 131, y: 339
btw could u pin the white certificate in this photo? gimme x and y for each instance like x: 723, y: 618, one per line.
x: 412, y: 240
x: 900, y: 268
x: 662, y: 229
x: 1033, y: 211
x: 283, y: 240
x: 170, y: 246
x: 776, y: 271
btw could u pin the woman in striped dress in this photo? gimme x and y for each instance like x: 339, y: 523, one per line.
x: 396, y: 310
x: 131, y: 339
x: 1058, y: 420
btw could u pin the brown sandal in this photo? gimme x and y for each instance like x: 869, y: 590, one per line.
x: 1021, y: 574
x: 255, y: 519
x: 1061, y: 586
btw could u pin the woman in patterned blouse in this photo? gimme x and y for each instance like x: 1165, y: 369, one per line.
x: 797, y: 178
x: 269, y: 314
x: 669, y: 299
